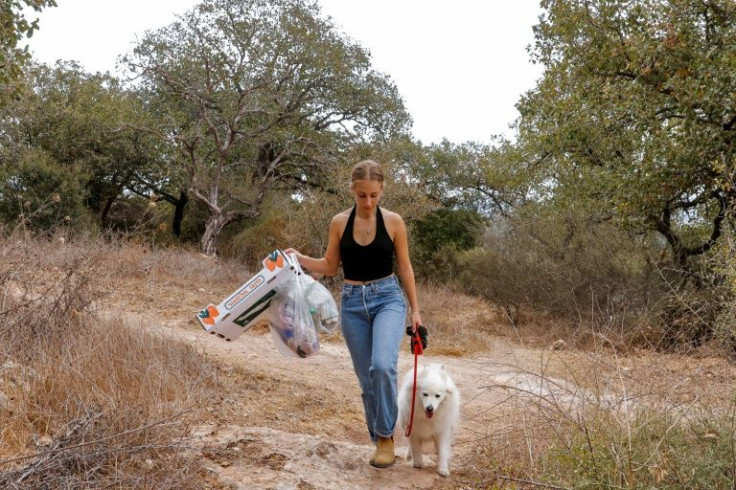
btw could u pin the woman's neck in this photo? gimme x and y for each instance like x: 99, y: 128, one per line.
x: 366, y: 215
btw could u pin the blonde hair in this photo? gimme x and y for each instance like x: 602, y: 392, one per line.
x: 367, y: 170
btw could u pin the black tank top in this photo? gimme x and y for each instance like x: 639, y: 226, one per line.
x: 367, y: 262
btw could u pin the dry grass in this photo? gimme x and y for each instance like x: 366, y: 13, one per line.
x: 458, y: 324
x: 597, y: 420
x: 86, y: 401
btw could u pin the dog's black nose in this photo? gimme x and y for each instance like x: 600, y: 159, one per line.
x: 430, y: 408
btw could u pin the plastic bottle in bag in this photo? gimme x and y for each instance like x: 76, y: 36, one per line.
x: 290, y: 320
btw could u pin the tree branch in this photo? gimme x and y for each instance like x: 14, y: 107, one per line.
x: 124, y: 433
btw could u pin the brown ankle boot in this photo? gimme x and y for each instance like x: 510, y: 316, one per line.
x: 384, y: 455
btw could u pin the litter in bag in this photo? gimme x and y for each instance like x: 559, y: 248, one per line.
x: 290, y: 320
x: 322, y: 305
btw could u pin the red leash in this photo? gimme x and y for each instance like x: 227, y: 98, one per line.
x: 416, y: 347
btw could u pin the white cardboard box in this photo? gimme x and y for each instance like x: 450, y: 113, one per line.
x: 238, y: 312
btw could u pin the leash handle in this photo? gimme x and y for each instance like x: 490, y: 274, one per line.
x: 417, y: 338
x: 416, y: 343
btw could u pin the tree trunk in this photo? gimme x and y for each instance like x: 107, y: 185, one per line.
x: 213, y: 227
x: 106, y: 211
x: 179, y: 205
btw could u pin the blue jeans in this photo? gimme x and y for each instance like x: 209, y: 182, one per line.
x: 372, y: 318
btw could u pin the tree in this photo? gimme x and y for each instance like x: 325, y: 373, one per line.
x: 256, y: 94
x: 487, y: 179
x: 78, y: 121
x: 13, y: 27
x: 637, y: 111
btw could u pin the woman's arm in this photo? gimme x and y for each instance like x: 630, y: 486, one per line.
x: 406, y: 271
x: 329, y: 264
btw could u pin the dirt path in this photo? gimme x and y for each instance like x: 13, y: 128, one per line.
x: 298, y: 423
x: 281, y: 455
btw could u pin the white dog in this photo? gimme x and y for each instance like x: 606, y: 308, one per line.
x: 436, y: 413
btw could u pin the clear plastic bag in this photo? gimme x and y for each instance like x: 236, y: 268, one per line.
x: 290, y: 320
x: 322, y: 305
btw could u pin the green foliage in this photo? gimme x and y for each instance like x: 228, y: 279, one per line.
x: 489, y: 179
x: 721, y: 304
x: 440, y: 235
x: 458, y: 228
x: 192, y: 227
x: 13, y: 27
x: 636, y: 110
x: 39, y: 193
x: 80, y: 121
x: 260, y: 236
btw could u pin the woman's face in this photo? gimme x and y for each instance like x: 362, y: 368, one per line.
x: 367, y: 193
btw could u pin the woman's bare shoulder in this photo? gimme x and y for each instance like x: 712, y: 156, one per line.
x: 341, y: 218
x: 394, y: 223
x: 390, y: 216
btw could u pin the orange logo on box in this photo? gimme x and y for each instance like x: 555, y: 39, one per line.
x: 273, y: 261
x: 209, y: 314
x: 249, y: 288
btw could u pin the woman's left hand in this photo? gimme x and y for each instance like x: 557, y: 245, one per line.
x: 416, y: 320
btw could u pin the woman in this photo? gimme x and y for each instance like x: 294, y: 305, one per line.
x: 365, y: 239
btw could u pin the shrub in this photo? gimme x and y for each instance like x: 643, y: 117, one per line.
x: 651, y: 451
x: 440, y: 235
x: 565, y: 264
x: 41, y: 193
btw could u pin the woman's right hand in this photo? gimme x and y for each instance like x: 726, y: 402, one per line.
x: 291, y: 251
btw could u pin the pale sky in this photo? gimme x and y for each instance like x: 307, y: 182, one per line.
x: 460, y: 65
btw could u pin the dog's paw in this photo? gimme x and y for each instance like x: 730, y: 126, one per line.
x: 417, y: 464
x: 443, y: 471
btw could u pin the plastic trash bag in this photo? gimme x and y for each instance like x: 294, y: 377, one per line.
x: 290, y: 320
x: 322, y: 305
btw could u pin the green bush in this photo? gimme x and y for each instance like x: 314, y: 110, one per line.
x: 438, y: 237
x: 256, y: 240
x: 40, y: 193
